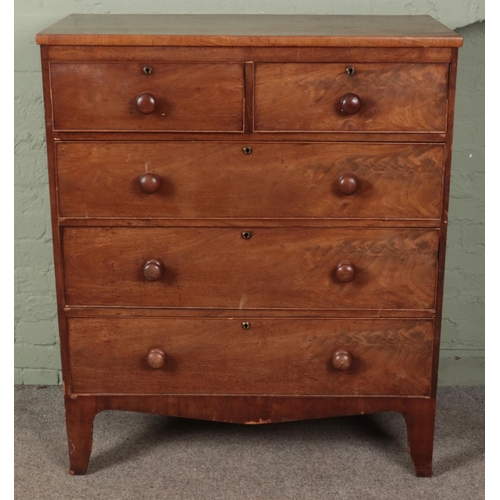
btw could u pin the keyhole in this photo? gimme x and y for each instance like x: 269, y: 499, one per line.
x: 247, y: 150
x: 147, y: 70
x: 245, y: 325
x: 246, y: 235
x: 350, y: 70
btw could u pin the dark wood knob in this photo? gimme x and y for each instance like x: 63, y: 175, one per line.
x: 342, y: 360
x: 145, y: 103
x: 150, y: 183
x: 345, y: 271
x: 350, y: 104
x: 156, y: 358
x: 153, y: 269
x: 348, y: 183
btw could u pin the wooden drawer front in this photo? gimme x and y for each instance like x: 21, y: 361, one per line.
x: 213, y: 179
x: 274, y: 268
x: 394, y: 97
x: 275, y: 356
x: 190, y: 97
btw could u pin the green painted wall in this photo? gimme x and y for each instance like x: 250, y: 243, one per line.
x: 463, y: 310
x: 36, y: 343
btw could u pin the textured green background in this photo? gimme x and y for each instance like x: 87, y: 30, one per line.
x: 37, y: 359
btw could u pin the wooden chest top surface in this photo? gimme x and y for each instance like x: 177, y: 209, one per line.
x: 249, y: 30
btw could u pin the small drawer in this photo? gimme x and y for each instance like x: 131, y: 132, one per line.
x: 141, y: 97
x: 246, y: 268
x: 188, y: 180
x: 273, y: 357
x: 349, y: 97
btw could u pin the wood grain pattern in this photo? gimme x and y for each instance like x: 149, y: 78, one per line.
x: 444, y: 221
x: 231, y: 222
x: 420, y: 416
x: 102, y: 96
x: 372, y: 137
x: 246, y: 54
x: 253, y: 30
x: 254, y: 410
x: 395, y: 97
x: 216, y: 180
x: 54, y: 211
x: 98, y: 312
x: 276, y: 268
x: 282, y: 193
x: 275, y: 356
x: 80, y: 426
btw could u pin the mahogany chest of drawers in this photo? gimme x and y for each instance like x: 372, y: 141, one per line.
x: 249, y: 216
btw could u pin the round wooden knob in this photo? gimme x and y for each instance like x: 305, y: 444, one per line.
x: 345, y: 271
x: 350, y: 104
x: 156, y: 358
x: 348, y: 183
x: 145, y: 104
x: 153, y: 269
x: 342, y: 360
x: 150, y: 183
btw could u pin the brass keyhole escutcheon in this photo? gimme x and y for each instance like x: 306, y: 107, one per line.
x: 147, y: 70
x: 246, y: 235
x: 245, y: 325
x: 247, y: 150
x: 350, y: 70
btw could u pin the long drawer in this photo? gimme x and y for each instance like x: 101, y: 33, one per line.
x: 245, y: 268
x: 280, y: 180
x: 100, y: 96
x: 351, y: 97
x: 273, y: 356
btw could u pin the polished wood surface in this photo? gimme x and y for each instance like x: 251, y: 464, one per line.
x: 233, y: 54
x: 379, y: 97
x: 115, y: 96
x: 311, y: 313
x: 274, y: 356
x: 202, y: 166
x: 253, y: 30
x: 345, y: 271
x: 214, y: 179
x: 420, y: 417
x: 80, y: 427
x: 153, y: 269
x: 248, y: 136
x: 249, y: 222
x: 348, y: 183
x: 342, y: 360
x: 444, y: 223
x: 217, y: 268
x: 156, y: 359
x: 146, y: 103
x: 253, y: 410
x: 149, y: 183
x: 350, y: 103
